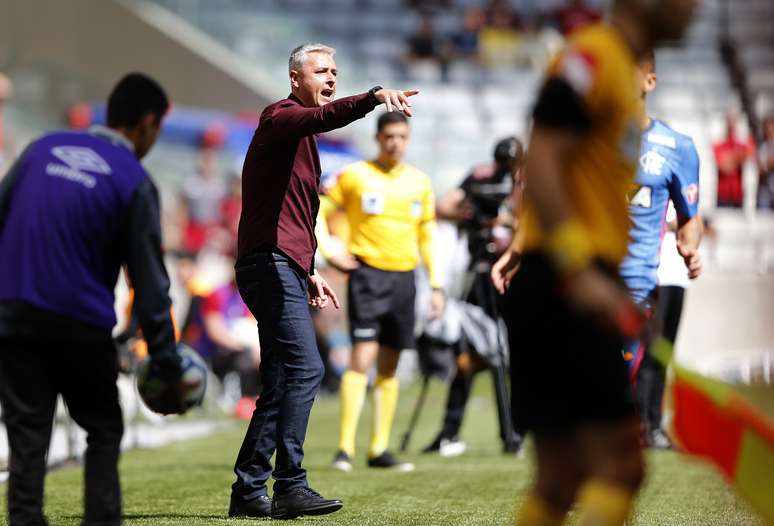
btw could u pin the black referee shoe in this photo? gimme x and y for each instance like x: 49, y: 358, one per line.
x: 388, y: 461
x: 302, y: 501
x: 258, y: 507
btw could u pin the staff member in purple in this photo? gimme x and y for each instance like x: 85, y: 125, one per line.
x: 276, y: 278
x: 74, y: 208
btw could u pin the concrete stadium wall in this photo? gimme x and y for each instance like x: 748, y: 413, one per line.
x: 100, y: 40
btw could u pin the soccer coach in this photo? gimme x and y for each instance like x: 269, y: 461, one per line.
x: 73, y: 209
x: 276, y: 278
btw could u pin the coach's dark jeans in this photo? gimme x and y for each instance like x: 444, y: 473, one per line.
x: 275, y: 290
x: 32, y: 373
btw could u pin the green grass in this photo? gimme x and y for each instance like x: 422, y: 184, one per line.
x: 188, y: 483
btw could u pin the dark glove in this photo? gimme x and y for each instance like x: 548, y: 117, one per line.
x: 166, y: 366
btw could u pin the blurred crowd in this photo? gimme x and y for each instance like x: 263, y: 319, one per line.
x: 497, y: 35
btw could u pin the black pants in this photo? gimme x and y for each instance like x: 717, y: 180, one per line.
x: 32, y: 374
x: 651, y: 376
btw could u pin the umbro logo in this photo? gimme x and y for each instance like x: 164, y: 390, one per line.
x: 78, y: 161
x: 81, y: 158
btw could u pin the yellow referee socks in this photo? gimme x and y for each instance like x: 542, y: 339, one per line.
x: 534, y: 511
x: 353, y: 392
x: 603, y: 504
x: 385, y: 402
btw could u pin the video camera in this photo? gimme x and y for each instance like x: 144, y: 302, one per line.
x: 487, y: 189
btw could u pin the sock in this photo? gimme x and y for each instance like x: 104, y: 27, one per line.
x: 534, y: 511
x: 353, y: 393
x: 385, y: 403
x: 604, y: 504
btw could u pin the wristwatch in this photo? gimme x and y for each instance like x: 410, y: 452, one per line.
x: 372, y: 95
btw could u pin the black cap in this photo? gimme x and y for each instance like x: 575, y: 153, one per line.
x: 508, y: 150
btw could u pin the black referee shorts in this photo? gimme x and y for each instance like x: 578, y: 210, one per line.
x: 381, y: 307
x: 566, y: 368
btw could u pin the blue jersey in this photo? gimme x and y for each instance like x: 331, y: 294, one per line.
x: 668, y: 169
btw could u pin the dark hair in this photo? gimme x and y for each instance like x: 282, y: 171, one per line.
x: 132, y: 98
x: 390, y: 117
x: 508, y: 150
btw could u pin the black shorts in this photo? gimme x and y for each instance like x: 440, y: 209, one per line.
x: 381, y: 307
x: 566, y: 369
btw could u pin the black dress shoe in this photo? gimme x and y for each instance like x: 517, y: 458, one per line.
x: 302, y: 501
x: 258, y: 507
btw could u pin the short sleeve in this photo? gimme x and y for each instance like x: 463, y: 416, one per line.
x: 573, y: 93
x: 684, y: 185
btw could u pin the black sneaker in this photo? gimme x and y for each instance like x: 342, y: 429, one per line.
x: 258, y: 507
x: 342, y: 462
x: 434, y: 446
x: 302, y: 501
x: 513, y: 445
x: 388, y: 461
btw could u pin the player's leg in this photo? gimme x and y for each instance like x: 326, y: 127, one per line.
x: 560, y: 470
x: 611, y: 430
x: 28, y: 399
x: 88, y: 386
x: 668, y: 314
x: 615, y: 471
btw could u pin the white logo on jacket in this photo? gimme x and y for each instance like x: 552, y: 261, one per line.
x: 77, y: 161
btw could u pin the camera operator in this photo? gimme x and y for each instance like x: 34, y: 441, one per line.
x: 482, y: 207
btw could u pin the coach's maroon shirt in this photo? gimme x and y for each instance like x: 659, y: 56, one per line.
x: 281, y: 175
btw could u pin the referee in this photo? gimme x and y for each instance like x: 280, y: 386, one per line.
x: 277, y: 280
x: 74, y: 208
x: 390, y: 209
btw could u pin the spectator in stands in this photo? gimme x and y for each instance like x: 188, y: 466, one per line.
x: 230, y: 209
x: 499, y: 39
x: 6, y: 90
x: 766, y: 165
x: 227, y: 339
x: 202, y: 195
x: 730, y: 157
x: 424, y: 49
x: 464, y: 42
x: 425, y: 5
x: 574, y: 15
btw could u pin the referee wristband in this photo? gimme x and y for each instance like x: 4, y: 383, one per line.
x: 569, y: 247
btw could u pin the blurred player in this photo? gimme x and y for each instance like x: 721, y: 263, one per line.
x: 668, y: 170
x: 276, y: 278
x: 391, y: 213
x: 569, y: 312
x: 482, y: 208
x: 73, y: 209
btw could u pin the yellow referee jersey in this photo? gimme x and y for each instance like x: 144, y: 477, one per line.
x: 602, y: 70
x: 391, y: 216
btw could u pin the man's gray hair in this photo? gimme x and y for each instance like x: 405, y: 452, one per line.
x: 298, y: 56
